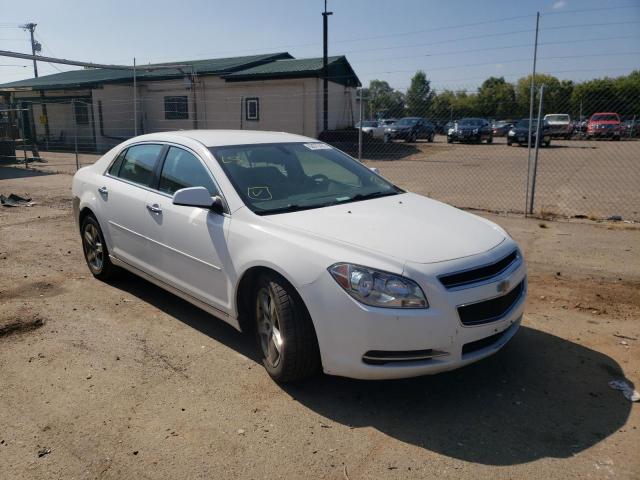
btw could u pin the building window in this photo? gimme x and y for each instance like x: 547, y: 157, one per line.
x: 252, y: 109
x: 81, y: 113
x: 176, y: 108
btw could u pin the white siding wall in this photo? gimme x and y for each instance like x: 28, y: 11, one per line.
x: 289, y: 105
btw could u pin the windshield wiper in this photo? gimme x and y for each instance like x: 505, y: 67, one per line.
x: 291, y: 208
x: 368, y: 196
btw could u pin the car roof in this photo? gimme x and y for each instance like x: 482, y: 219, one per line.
x: 216, y: 138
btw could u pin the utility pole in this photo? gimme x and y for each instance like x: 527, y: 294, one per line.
x: 36, y: 48
x: 325, y: 68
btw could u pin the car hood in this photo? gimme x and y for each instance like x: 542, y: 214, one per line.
x: 406, y: 226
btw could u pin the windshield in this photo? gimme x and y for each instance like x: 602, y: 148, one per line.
x: 474, y: 122
x: 604, y: 117
x: 407, y: 121
x: 281, y: 177
x: 369, y: 124
x: 524, y: 123
x: 557, y: 118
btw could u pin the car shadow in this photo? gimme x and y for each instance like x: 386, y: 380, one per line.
x: 8, y: 173
x: 541, y: 397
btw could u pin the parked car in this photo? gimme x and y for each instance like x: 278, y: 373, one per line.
x: 372, y: 128
x: 332, y: 266
x: 560, y: 125
x: 470, y: 130
x: 501, y: 128
x: 630, y: 128
x: 385, y: 122
x: 520, y: 133
x: 604, y: 125
x: 410, y: 129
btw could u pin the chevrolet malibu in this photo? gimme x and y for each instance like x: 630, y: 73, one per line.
x: 328, y: 264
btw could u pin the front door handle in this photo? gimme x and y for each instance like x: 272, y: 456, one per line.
x: 103, y: 190
x: 155, y: 208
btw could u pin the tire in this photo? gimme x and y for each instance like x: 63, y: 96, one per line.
x: 449, y: 140
x: 431, y: 137
x: 489, y: 140
x: 286, y: 339
x: 95, y: 250
x: 509, y: 143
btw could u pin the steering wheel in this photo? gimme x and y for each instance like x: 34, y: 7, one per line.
x: 319, y: 179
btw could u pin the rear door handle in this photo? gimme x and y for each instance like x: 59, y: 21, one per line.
x: 103, y: 190
x: 155, y: 208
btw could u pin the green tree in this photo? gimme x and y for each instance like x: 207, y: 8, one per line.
x: 557, y: 94
x: 384, y: 101
x: 419, y: 95
x: 496, y: 99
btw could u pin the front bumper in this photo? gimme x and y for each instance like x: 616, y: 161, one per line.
x: 465, y: 136
x: 348, y: 331
x: 603, y: 133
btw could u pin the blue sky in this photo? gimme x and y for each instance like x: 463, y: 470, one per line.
x: 457, y: 43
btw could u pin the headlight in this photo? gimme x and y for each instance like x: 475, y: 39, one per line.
x: 378, y: 289
x: 450, y: 131
x: 512, y: 133
x: 475, y: 130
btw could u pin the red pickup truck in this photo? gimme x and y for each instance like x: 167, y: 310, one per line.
x: 604, y: 125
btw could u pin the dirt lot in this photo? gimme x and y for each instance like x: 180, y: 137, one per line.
x: 124, y: 380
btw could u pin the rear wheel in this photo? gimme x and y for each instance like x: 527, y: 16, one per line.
x: 284, y: 331
x: 430, y: 139
x: 95, y: 249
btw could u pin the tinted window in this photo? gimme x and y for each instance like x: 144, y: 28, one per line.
x: 139, y: 162
x: 115, y: 166
x: 181, y: 169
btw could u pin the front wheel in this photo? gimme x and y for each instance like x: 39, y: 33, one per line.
x: 95, y: 249
x: 284, y: 331
x: 449, y: 140
x: 509, y: 143
x: 430, y: 139
x: 489, y: 140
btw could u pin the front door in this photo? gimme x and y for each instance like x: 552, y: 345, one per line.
x: 190, y: 243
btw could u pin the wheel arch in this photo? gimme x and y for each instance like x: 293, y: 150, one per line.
x: 244, y: 290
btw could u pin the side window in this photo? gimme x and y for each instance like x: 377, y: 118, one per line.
x: 115, y: 166
x: 181, y: 169
x: 139, y: 162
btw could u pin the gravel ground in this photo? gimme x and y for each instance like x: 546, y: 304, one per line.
x: 123, y: 380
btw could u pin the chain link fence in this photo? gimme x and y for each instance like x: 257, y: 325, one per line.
x: 460, y: 147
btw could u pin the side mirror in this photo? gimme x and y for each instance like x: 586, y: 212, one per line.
x: 198, y: 197
x: 375, y: 170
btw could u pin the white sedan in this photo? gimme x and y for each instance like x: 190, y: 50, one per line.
x: 329, y: 264
x: 373, y: 128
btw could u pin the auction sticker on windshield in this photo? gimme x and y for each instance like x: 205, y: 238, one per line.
x: 317, y: 146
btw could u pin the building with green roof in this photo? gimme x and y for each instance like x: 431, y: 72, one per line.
x: 260, y: 92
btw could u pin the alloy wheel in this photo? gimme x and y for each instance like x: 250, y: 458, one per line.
x: 268, y: 326
x: 93, y: 247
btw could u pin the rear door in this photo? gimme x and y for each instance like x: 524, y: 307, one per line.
x: 190, y: 243
x: 123, y: 193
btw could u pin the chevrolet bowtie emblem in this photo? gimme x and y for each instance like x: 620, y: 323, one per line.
x: 503, y: 286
